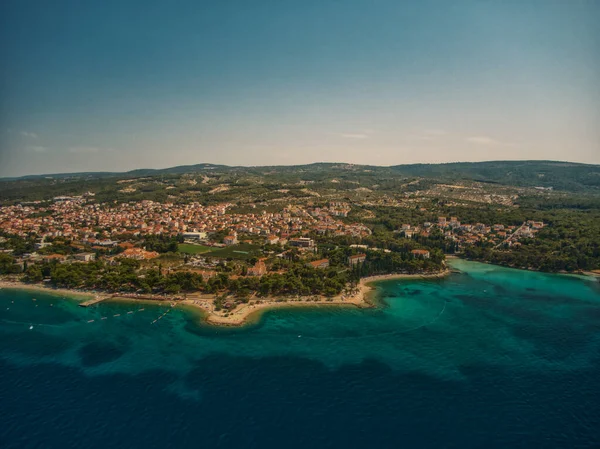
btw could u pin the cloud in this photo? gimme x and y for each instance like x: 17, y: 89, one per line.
x: 434, y: 132
x: 37, y: 148
x: 29, y: 134
x: 355, y: 136
x: 84, y: 150
x: 482, y: 140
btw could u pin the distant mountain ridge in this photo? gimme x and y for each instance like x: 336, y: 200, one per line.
x: 424, y: 168
x: 567, y: 176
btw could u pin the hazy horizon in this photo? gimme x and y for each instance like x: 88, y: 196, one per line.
x: 123, y: 85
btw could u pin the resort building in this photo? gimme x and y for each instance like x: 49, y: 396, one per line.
x: 322, y: 263
x: 420, y: 253
x: 356, y: 259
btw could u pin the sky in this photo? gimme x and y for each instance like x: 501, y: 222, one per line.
x: 115, y: 85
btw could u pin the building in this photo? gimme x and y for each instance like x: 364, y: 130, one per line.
x: 258, y: 269
x: 420, y: 253
x: 107, y: 243
x: 322, y: 263
x: 42, y: 244
x: 272, y: 240
x: 302, y: 242
x: 138, y: 254
x: 230, y: 240
x: 194, y: 235
x: 85, y: 257
x: 54, y: 258
x: 356, y: 259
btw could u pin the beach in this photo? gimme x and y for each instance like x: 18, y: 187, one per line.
x: 81, y: 295
x: 243, y: 313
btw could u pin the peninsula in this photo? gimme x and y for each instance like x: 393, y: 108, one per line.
x: 233, y: 241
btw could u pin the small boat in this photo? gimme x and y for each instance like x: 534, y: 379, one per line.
x: 30, y: 327
x: 131, y: 311
x: 117, y: 314
x: 90, y: 321
x: 141, y: 310
x: 103, y: 318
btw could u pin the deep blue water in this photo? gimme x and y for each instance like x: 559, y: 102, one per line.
x: 489, y: 358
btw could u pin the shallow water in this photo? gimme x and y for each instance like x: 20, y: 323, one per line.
x: 490, y: 357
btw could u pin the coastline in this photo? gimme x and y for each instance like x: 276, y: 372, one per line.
x: 241, y: 314
x: 583, y: 273
x: 245, y: 313
x: 80, y: 295
x: 390, y: 277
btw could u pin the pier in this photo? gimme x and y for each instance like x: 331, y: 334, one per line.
x: 93, y: 301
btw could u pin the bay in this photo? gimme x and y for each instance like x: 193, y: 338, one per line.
x: 488, y: 357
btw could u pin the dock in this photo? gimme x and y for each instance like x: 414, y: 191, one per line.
x: 93, y: 301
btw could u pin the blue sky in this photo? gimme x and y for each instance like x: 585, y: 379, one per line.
x: 118, y: 85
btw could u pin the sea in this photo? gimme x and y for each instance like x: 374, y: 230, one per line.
x: 488, y: 357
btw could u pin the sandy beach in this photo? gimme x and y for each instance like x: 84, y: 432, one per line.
x: 75, y: 294
x: 390, y: 277
x: 241, y: 313
x: 244, y: 313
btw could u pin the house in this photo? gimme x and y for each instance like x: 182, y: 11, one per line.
x: 409, y: 233
x: 230, y: 240
x: 85, y: 257
x: 302, y: 242
x: 322, y: 263
x: 420, y: 253
x: 258, y: 269
x: 356, y: 259
x: 41, y: 244
x: 54, y: 257
x: 138, y: 254
x: 272, y: 239
x: 194, y: 235
x: 107, y: 243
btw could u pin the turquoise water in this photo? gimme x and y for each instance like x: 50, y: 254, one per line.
x: 489, y: 357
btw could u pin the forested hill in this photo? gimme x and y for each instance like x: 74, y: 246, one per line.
x: 558, y: 175
x: 202, y: 178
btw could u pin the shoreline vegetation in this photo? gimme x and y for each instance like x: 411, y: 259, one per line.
x: 360, y: 297
x: 241, y: 314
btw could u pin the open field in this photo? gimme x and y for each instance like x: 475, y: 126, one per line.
x: 189, y: 248
x: 242, y: 251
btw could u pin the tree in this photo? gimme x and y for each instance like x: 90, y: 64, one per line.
x: 33, y: 273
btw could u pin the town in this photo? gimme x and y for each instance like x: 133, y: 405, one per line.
x: 208, y: 241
